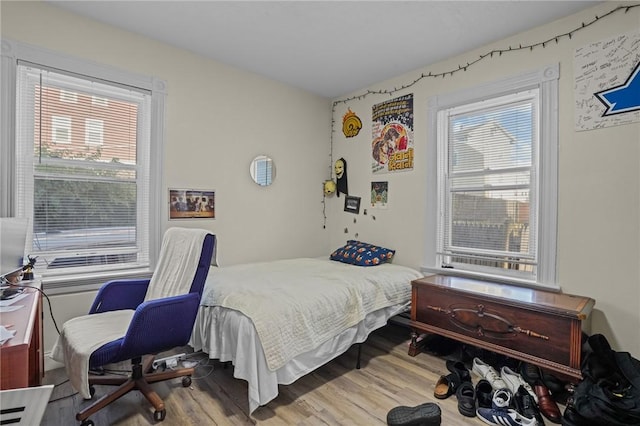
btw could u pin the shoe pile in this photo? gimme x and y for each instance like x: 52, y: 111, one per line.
x: 514, y: 401
x: 458, y: 382
x: 500, y: 414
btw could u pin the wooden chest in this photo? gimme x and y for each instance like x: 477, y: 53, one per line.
x: 540, y: 327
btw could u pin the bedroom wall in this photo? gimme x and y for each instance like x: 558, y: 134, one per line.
x: 599, y: 174
x: 218, y: 119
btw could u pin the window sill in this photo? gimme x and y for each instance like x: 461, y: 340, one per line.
x: 75, y: 283
x: 492, y: 278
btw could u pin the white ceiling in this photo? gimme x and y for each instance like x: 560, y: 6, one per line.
x: 330, y: 48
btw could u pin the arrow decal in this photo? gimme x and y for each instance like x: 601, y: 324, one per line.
x: 623, y: 98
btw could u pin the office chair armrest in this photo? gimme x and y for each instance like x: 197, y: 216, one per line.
x: 161, y: 324
x: 120, y: 294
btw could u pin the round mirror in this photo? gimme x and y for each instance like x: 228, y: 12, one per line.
x: 263, y: 170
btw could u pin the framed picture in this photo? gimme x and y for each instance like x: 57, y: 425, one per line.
x: 192, y: 204
x: 352, y: 204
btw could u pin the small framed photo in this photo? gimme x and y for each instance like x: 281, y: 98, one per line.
x: 352, y: 204
x: 192, y: 204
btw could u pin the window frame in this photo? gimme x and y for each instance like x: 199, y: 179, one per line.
x: 12, y: 53
x: 546, y: 80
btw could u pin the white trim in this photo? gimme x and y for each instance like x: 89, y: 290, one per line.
x: 546, y: 78
x: 14, y: 51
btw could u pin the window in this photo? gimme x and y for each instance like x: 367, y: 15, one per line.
x: 96, y: 101
x: 92, y: 200
x: 60, y: 129
x: 495, y: 198
x: 93, y: 131
x: 67, y: 96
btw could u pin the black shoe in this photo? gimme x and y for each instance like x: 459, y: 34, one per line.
x: 526, y: 405
x: 530, y: 373
x: 484, y: 393
x: 457, y: 367
x: 466, y: 396
x: 427, y: 414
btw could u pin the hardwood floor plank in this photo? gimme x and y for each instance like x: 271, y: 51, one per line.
x: 335, y: 394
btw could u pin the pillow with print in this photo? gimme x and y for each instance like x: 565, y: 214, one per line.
x: 362, y: 254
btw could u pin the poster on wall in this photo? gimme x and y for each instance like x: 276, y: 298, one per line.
x: 192, y: 204
x: 607, y: 82
x: 379, y: 195
x: 392, y: 131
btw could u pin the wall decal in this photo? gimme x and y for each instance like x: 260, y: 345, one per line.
x: 351, y: 124
x: 392, y: 128
x: 607, y: 82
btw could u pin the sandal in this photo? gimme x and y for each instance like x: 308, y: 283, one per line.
x: 446, y: 386
x: 466, y: 395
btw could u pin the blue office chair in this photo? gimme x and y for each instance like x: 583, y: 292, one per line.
x: 157, y: 325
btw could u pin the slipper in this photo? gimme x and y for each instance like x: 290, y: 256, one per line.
x: 466, y: 395
x: 446, y: 386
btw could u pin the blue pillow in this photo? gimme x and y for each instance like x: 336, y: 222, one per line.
x: 362, y: 254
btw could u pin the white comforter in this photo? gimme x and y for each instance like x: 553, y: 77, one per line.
x: 298, y: 304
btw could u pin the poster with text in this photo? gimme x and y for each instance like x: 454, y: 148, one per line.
x: 607, y: 82
x: 392, y: 131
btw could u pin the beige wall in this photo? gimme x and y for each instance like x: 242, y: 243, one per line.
x: 599, y: 174
x: 219, y: 117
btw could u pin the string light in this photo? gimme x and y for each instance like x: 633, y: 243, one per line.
x: 451, y: 72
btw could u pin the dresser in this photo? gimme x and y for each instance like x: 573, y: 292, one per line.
x: 540, y: 327
x: 22, y: 357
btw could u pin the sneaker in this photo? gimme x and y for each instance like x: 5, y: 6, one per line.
x: 503, y: 417
x: 514, y: 381
x: 488, y: 373
x: 525, y: 405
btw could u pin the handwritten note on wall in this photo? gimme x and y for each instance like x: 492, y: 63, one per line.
x: 598, y: 67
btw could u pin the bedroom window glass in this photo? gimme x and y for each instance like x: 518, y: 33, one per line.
x: 94, y: 201
x: 86, y: 198
x: 496, y: 179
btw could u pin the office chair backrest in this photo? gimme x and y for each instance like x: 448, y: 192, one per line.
x: 208, y: 249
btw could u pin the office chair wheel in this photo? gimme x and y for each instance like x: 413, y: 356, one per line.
x: 92, y: 391
x: 87, y: 422
x: 186, y: 381
x: 159, y: 416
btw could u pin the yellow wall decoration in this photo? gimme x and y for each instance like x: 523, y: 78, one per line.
x: 351, y: 124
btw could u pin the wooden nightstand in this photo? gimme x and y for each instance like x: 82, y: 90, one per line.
x: 536, y: 326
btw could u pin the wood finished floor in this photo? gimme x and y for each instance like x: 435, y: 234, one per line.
x: 334, y: 394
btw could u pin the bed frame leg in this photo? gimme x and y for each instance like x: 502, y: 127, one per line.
x: 359, y: 353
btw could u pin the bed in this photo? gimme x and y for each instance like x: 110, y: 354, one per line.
x: 277, y: 321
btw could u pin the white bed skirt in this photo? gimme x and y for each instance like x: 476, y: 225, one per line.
x: 228, y: 335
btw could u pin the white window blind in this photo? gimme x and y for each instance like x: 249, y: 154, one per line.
x: 492, y: 180
x: 89, y: 197
x: 488, y: 161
